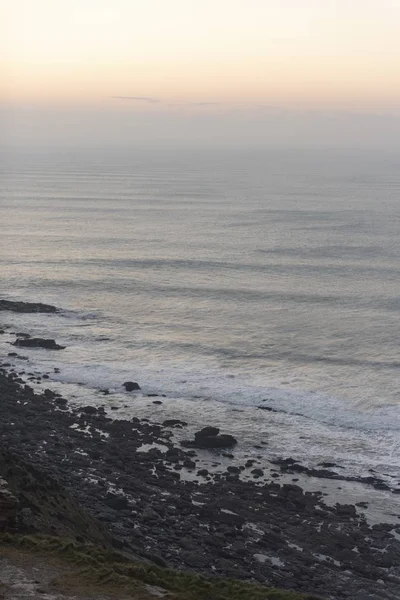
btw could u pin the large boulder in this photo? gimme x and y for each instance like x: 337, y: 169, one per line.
x: 206, y: 432
x: 48, y: 344
x: 89, y: 410
x: 209, y: 437
x: 131, y: 386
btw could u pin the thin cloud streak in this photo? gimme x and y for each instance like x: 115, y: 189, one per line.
x: 207, y: 103
x: 149, y: 99
x: 199, y: 103
x: 270, y: 109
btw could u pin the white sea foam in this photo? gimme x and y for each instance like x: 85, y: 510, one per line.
x: 240, y: 391
x: 204, y: 398
x: 311, y: 427
x: 89, y: 360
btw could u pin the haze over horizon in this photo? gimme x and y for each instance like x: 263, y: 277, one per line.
x: 189, y: 72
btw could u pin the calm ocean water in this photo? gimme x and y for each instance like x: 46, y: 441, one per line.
x: 222, y: 280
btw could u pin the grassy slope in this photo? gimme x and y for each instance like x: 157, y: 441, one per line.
x: 92, y: 570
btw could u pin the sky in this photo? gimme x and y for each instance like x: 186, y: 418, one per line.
x: 251, y: 70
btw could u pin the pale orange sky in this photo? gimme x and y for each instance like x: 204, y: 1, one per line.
x: 328, y: 54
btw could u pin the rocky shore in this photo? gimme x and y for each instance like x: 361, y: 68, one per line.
x: 155, y: 501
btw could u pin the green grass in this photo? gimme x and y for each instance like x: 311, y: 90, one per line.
x: 113, y: 573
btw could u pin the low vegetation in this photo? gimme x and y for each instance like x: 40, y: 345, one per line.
x: 91, y: 570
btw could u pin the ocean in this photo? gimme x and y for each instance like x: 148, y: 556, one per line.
x: 225, y: 280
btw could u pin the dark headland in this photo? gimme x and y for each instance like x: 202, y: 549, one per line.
x: 77, y: 474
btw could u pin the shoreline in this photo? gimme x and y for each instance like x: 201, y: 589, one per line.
x: 261, y: 528
x: 298, y: 422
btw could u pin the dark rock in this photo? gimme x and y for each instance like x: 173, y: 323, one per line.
x: 189, y: 464
x: 194, y: 559
x: 203, y: 472
x: 212, y: 441
x: 150, y: 515
x: 381, y: 486
x: 174, y: 423
x: 188, y: 543
x: 206, y: 432
x: 48, y: 344
x: 27, y: 307
x: 131, y: 386
x: 60, y: 401
x: 324, y: 473
x: 173, y: 457
x: 209, y: 437
x: 345, y: 509
x: 257, y: 472
x: 233, y: 469
x: 116, y: 501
